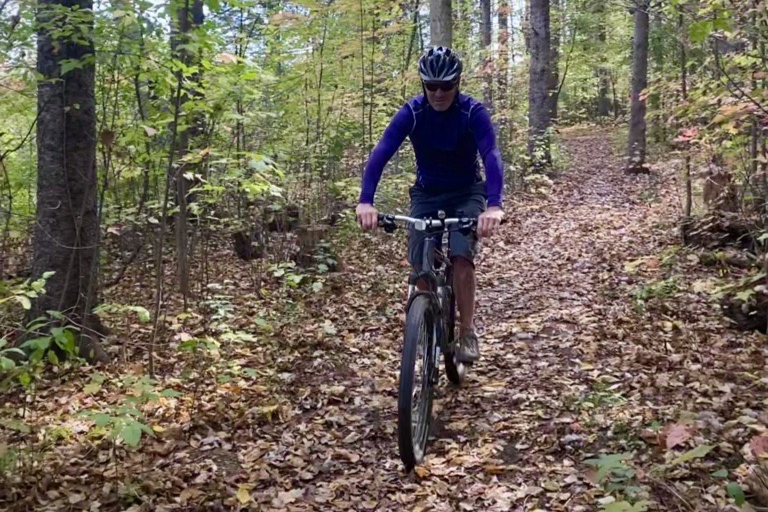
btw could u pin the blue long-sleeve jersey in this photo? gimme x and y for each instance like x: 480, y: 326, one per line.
x: 446, y: 145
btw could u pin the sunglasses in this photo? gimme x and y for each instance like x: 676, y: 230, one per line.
x: 443, y: 86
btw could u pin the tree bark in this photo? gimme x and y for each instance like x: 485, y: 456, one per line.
x: 485, y: 33
x: 501, y: 69
x: 603, y: 73
x: 66, y: 233
x: 189, y: 16
x: 440, y: 23
x: 538, y: 94
x: 636, y: 143
x: 554, y: 71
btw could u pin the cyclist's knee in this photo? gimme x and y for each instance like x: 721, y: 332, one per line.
x: 462, y: 263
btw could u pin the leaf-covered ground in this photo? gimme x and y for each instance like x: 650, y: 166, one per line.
x: 599, y: 338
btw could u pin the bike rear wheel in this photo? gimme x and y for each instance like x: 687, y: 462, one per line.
x: 414, y: 404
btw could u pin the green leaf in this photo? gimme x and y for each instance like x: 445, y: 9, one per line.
x: 141, y: 312
x: 700, y: 30
x: 25, y: 303
x: 607, y: 463
x: 720, y: 473
x: 6, y: 364
x: 317, y: 286
x: 92, y: 388
x: 131, y: 433
x: 696, y: 453
x: 102, y: 420
x: 170, y: 393
x: 721, y: 24
x: 25, y: 378
x: 14, y: 350
x: 18, y: 426
x: 625, y: 506
x: 38, y: 343
x: 736, y: 492
x: 68, y: 65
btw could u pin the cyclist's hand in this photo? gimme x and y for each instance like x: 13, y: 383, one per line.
x: 367, y: 216
x: 488, y: 221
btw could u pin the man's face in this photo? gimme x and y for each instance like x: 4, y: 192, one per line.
x: 441, y: 94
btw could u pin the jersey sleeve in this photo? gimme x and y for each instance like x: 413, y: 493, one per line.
x: 394, y: 135
x: 485, y: 138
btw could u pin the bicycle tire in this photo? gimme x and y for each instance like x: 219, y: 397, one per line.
x: 412, y: 439
x: 455, y: 376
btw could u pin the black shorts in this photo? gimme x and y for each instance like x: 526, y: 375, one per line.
x: 470, y: 200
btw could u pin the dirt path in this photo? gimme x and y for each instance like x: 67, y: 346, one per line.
x: 597, y: 337
x: 570, y: 367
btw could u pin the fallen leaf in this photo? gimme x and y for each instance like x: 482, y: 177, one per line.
x: 243, y: 496
x: 75, y: 498
x: 676, y: 434
x: 287, y: 497
x: 758, y: 445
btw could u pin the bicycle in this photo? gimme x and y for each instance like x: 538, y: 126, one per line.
x: 430, y: 323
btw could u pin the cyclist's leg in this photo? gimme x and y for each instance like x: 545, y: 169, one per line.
x: 464, y: 248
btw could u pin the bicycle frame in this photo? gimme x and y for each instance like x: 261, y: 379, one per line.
x: 434, y: 277
x: 430, y: 305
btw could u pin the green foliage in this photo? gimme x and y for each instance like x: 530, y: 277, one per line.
x: 655, y: 290
x: 125, y: 422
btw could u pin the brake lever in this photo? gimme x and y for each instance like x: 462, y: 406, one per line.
x: 387, y: 222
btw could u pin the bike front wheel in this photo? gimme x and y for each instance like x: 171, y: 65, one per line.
x: 414, y: 404
x: 455, y: 371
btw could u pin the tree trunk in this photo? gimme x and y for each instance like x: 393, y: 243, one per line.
x: 527, y: 25
x: 440, y: 23
x: 603, y: 73
x: 501, y: 70
x: 538, y: 93
x: 554, y: 72
x: 66, y: 234
x: 485, y: 32
x: 188, y: 17
x: 636, y: 143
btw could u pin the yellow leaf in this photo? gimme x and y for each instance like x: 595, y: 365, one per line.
x: 421, y: 471
x: 268, y: 411
x: 243, y: 496
x: 158, y: 428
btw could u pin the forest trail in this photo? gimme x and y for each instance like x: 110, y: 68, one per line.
x: 596, y: 337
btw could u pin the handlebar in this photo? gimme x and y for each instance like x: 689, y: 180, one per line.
x: 387, y: 221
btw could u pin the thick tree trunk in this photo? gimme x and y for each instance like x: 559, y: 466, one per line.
x: 636, y: 143
x: 538, y: 93
x: 66, y: 234
x: 440, y: 23
x: 554, y: 71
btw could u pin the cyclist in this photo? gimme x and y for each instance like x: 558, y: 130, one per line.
x: 447, y: 129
